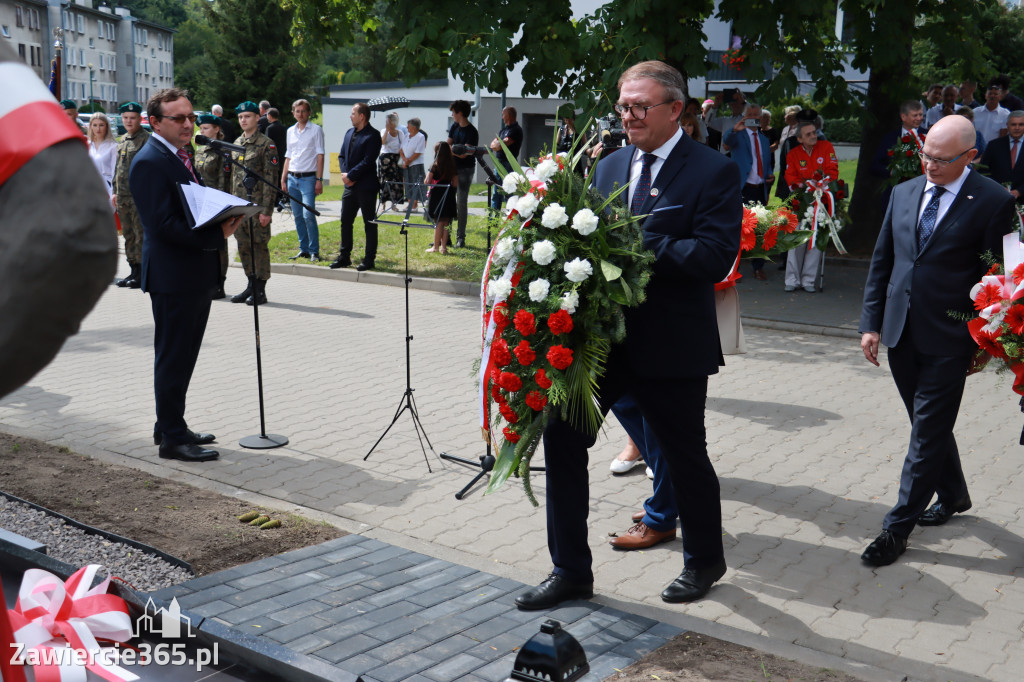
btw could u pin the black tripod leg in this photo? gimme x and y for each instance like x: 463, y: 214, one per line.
x: 401, y: 406
x: 462, y: 493
x: 416, y: 419
x: 420, y: 433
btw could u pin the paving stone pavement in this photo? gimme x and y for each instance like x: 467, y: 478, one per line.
x: 808, y: 440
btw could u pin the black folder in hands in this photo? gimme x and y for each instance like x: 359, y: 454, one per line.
x: 206, y: 206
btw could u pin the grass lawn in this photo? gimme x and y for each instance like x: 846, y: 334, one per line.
x: 461, y: 264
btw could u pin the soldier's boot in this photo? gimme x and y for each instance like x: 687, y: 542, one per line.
x: 259, y: 292
x: 243, y: 296
x: 219, y: 292
x: 134, y: 279
x: 123, y: 282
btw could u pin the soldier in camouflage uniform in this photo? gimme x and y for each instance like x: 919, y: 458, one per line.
x: 131, y: 227
x: 215, y: 171
x: 260, y: 157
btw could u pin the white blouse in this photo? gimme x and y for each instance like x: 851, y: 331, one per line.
x: 104, y: 155
x: 392, y: 143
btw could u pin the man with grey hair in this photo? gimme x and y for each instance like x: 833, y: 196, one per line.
x: 227, y: 127
x: 690, y: 196
x: 915, y: 302
x: 1003, y: 156
x: 262, y: 122
x: 945, y: 107
x: 413, y: 148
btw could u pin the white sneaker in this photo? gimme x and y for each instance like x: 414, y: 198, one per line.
x: 789, y: 287
x: 650, y: 474
x: 621, y: 466
x: 809, y: 289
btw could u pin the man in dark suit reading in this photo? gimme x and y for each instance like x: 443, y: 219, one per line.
x: 180, y: 268
x: 691, y: 197
x: 927, y: 258
x: 357, y: 161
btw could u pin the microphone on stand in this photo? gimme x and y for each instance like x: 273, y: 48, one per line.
x: 220, y: 144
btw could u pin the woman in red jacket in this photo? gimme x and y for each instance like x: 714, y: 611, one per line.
x: 802, y: 162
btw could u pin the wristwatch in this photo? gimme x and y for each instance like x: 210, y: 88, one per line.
x: 319, y: 179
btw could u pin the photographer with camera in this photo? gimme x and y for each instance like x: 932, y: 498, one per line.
x: 724, y: 124
x: 751, y: 150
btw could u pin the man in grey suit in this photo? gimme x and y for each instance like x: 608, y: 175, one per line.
x: 925, y: 262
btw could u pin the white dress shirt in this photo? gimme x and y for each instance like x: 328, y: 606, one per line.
x: 946, y: 200
x: 415, y: 144
x: 990, y: 122
x: 303, y: 147
x: 104, y: 156
x: 661, y: 153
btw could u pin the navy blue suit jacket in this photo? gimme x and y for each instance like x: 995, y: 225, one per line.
x: 693, y: 228
x: 905, y: 286
x: 358, y: 158
x: 742, y: 153
x: 175, y: 258
x: 997, y: 158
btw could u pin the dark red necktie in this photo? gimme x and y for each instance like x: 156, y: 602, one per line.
x: 757, y: 153
x: 1015, y: 149
x: 643, y: 185
x: 183, y: 155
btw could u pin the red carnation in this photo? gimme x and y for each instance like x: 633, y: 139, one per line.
x: 1018, y: 274
x: 1015, y: 319
x: 495, y: 393
x: 508, y: 413
x: 542, y: 379
x: 988, y: 295
x: 560, y: 323
x: 909, y: 153
x: 907, y: 138
x: 510, y: 435
x: 510, y: 382
x: 525, y: 323
x: 796, y: 205
x: 500, y: 353
x: 770, y: 237
x: 524, y: 354
x: 560, y: 357
x: 891, y: 153
x: 536, y: 400
x: 500, y: 314
x: 840, y: 194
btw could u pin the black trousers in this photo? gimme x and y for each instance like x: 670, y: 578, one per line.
x: 674, y: 410
x: 353, y: 202
x: 931, y: 387
x: 180, y: 321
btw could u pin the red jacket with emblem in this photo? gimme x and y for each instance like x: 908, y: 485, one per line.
x: 801, y: 166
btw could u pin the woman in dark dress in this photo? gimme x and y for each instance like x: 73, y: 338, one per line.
x: 391, y: 139
x: 441, y: 206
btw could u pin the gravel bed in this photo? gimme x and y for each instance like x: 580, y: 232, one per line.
x: 142, y: 571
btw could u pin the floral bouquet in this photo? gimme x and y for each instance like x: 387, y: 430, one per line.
x: 822, y: 203
x: 903, y: 162
x: 999, y: 328
x: 769, y: 232
x: 565, y: 264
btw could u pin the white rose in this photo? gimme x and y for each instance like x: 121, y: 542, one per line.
x: 539, y: 290
x: 554, y: 216
x: 504, y: 250
x: 543, y: 252
x: 570, y: 300
x: 499, y: 289
x: 511, y: 183
x: 578, y: 270
x: 584, y: 222
x: 526, y: 205
x: 545, y: 169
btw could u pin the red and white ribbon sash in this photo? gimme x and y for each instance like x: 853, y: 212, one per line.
x: 31, y: 116
x: 822, y: 212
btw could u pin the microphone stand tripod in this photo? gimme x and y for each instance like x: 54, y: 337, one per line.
x: 486, y: 460
x: 407, y: 401
x: 263, y: 440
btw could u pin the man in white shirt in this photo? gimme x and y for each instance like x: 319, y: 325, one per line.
x: 303, y: 177
x: 990, y: 119
x: 946, y: 107
x: 412, y: 151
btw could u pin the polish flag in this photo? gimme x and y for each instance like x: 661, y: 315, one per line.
x: 30, y: 118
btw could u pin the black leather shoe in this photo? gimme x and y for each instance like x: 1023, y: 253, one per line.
x: 241, y: 297
x: 886, y: 549
x: 314, y: 257
x: 460, y: 243
x: 364, y: 266
x: 552, y: 592
x: 197, y: 438
x: 693, y: 583
x: 300, y: 254
x: 940, y: 512
x: 340, y: 262
x: 188, y: 452
x: 218, y: 293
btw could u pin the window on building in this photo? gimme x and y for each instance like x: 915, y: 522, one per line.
x: 39, y: 55
x: 5, y: 31
x: 21, y: 51
x: 99, y: 28
x: 145, y: 66
x: 19, y: 20
x: 33, y: 19
x: 103, y: 66
x: 81, y: 24
x: 161, y: 69
x: 91, y: 45
x: 145, y: 36
x: 81, y: 57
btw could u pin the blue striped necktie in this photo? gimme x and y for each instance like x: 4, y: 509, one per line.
x: 931, y: 212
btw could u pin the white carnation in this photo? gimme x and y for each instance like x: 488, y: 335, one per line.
x: 584, y: 222
x: 578, y: 270
x: 526, y: 205
x: 570, y: 300
x: 511, y: 183
x: 543, y: 252
x: 504, y: 249
x: 545, y: 169
x: 554, y: 216
x: 760, y: 211
x: 499, y: 289
x: 539, y: 290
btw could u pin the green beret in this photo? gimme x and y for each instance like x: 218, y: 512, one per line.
x: 68, y: 104
x: 130, y: 107
x: 210, y: 118
x: 247, y: 106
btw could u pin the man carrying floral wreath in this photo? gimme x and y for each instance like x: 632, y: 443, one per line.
x: 690, y: 197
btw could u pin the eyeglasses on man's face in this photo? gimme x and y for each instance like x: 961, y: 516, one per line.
x: 942, y: 162
x: 637, y: 111
x: 180, y: 119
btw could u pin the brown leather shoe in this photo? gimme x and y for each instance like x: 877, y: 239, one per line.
x: 641, y: 536
x: 638, y: 516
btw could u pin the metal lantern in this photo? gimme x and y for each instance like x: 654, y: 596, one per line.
x: 552, y: 655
